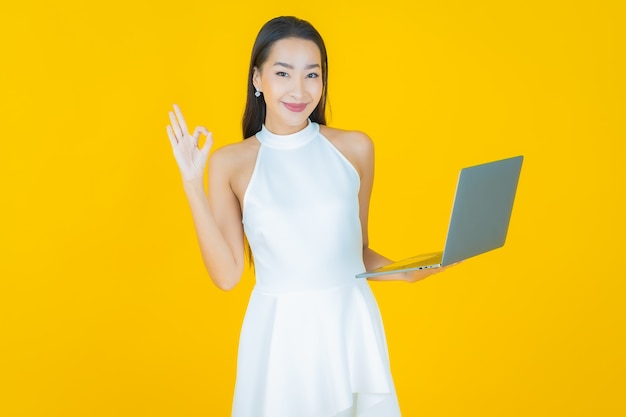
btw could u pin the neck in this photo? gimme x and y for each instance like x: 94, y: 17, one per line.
x: 279, y: 128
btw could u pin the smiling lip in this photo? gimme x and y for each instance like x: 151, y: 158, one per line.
x: 295, y: 107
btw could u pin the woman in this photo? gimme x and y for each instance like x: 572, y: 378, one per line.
x: 312, y: 341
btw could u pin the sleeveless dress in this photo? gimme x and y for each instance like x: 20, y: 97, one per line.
x: 312, y: 342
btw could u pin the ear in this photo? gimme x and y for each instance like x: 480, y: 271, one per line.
x: 256, y: 78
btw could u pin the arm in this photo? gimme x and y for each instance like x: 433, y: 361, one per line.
x: 217, y: 221
x: 365, y: 162
x: 217, y: 218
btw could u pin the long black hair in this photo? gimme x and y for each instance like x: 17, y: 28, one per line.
x: 275, y: 30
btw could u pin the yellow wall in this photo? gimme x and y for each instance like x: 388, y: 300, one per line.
x: 105, y: 309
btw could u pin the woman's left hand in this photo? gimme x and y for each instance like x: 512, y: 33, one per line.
x: 414, y: 276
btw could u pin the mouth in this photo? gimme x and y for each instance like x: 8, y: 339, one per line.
x: 295, y: 107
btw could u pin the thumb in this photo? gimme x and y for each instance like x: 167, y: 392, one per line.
x: 196, y: 134
x: 208, y: 143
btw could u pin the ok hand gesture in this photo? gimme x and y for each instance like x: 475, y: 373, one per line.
x: 191, y: 159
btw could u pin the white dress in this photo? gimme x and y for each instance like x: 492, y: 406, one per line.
x: 312, y: 342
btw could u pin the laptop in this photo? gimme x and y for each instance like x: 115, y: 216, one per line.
x: 480, y: 217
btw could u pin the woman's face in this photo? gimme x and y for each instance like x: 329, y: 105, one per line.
x: 291, y: 83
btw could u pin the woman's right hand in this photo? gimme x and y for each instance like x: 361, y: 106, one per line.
x: 191, y: 159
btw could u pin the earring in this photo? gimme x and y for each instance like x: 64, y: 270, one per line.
x: 257, y: 93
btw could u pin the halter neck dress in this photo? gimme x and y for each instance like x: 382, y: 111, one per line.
x: 312, y: 342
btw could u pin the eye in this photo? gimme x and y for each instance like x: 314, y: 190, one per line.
x: 313, y: 75
x: 282, y: 74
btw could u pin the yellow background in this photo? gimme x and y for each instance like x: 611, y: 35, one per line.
x: 105, y: 308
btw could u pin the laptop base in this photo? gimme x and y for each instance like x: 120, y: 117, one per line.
x: 415, y: 263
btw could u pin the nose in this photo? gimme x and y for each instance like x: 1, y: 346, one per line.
x: 297, y: 90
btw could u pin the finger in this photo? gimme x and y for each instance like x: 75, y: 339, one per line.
x: 207, y: 145
x: 197, y: 132
x: 181, y: 119
x: 177, y: 131
x: 200, y: 130
x: 170, y: 134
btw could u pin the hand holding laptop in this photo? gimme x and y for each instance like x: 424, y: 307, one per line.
x: 479, y: 222
x: 412, y: 275
x: 420, y: 274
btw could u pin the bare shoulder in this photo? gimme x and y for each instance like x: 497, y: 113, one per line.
x: 234, y: 156
x: 355, y: 145
x: 353, y: 140
x: 234, y: 163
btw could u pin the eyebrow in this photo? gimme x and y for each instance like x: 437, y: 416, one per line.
x: 283, y: 64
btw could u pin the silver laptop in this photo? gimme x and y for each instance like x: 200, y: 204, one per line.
x: 480, y: 217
